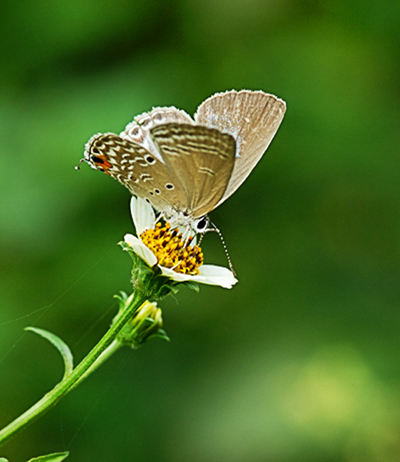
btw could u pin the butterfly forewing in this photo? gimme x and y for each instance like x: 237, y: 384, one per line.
x: 201, y: 157
x: 137, y: 169
x: 252, y: 118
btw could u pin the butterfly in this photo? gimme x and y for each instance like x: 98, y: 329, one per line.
x: 186, y: 167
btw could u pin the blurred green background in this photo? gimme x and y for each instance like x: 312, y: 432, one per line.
x: 299, y: 361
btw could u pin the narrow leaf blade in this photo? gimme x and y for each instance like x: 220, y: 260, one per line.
x: 61, y: 347
x: 56, y: 457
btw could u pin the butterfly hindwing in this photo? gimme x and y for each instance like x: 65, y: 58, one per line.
x: 136, y: 168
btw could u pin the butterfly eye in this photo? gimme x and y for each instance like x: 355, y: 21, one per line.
x: 201, y: 225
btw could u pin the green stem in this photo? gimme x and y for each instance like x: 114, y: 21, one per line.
x: 107, y: 353
x: 104, y: 348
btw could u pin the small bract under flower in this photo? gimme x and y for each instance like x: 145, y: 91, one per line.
x: 176, y: 258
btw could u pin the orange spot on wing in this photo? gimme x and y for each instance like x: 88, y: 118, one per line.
x: 103, y: 164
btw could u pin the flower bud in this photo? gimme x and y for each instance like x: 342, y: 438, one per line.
x: 145, y: 324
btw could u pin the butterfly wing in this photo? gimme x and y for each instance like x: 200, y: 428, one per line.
x: 138, y: 169
x: 202, y: 158
x: 177, y: 164
x: 138, y: 131
x: 252, y: 118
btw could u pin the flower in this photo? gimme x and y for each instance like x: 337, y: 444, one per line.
x: 174, y: 255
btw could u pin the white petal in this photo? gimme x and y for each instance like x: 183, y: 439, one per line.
x: 140, y: 249
x: 209, y: 274
x: 216, y: 275
x: 178, y: 277
x: 142, y: 215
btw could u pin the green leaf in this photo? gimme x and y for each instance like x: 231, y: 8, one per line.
x: 2, y: 459
x: 56, y: 457
x: 160, y: 334
x: 61, y: 347
x: 192, y: 285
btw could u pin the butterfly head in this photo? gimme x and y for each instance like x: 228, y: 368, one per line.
x: 185, y: 220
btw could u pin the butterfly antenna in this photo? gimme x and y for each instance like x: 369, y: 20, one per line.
x: 215, y: 229
x: 200, y: 239
x: 78, y: 167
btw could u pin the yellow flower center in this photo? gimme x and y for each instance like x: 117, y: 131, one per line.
x: 171, y: 251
